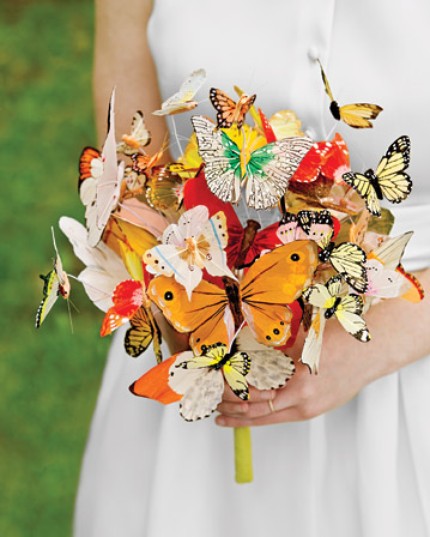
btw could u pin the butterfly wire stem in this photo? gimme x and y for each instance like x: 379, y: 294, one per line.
x: 175, y: 134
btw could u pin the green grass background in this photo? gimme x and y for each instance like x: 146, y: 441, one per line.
x: 49, y: 377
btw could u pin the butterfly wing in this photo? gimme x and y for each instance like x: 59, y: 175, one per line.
x: 270, y: 369
x: 312, y: 347
x: 206, y: 315
x: 348, y: 259
x: 348, y: 313
x: 358, y: 115
x: 108, y: 185
x: 139, y: 136
x: 361, y: 183
x: 395, y: 184
x: 183, y: 99
x: 222, y: 160
x: 273, y: 281
x: 270, y: 168
x: 142, y: 332
x: 225, y: 107
x: 127, y: 299
x: 51, y: 291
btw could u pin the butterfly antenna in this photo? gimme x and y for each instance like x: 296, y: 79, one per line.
x: 175, y: 133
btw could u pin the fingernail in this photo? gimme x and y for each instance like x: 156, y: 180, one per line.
x: 267, y: 395
x: 220, y: 421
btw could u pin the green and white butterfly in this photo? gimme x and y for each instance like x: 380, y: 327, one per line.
x: 266, y: 171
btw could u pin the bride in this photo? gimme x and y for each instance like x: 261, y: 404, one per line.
x: 343, y: 453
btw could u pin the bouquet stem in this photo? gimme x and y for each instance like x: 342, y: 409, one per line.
x: 243, y: 454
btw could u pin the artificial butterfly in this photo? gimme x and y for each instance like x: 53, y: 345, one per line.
x: 266, y: 170
x: 164, y: 188
x: 197, y: 379
x: 230, y: 112
x: 182, y: 101
x: 331, y: 300
x: 388, y: 181
x: 386, y: 277
x: 100, y: 194
x: 195, y: 243
x: 330, y: 159
x: 356, y: 115
x: 214, y: 314
x: 55, y: 284
x: 130, y: 304
x: 139, y: 136
x: 90, y: 167
x: 346, y: 258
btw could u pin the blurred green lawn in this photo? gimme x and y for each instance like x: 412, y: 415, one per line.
x: 49, y: 376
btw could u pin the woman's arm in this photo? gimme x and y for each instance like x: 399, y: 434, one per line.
x: 400, y: 335
x: 123, y: 60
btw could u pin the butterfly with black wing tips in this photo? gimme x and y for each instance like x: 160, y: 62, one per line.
x: 357, y: 115
x: 389, y: 181
x: 230, y: 112
x: 331, y: 300
x: 266, y: 170
x: 138, y: 138
x: 347, y: 258
x: 55, y: 284
x: 197, y: 380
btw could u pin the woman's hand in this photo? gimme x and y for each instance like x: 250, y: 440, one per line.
x: 400, y: 335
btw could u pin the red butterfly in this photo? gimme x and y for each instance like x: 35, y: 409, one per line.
x: 330, y: 159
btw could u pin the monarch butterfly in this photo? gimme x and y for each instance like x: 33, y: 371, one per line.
x: 388, y: 181
x: 229, y: 111
x: 357, y: 115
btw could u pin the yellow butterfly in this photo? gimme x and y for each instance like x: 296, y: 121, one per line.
x: 357, y: 115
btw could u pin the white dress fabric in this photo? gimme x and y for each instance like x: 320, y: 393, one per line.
x: 362, y: 470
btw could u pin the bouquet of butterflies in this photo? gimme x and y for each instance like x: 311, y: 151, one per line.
x: 168, y: 239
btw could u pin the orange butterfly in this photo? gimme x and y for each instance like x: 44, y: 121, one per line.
x: 213, y: 314
x: 229, y: 111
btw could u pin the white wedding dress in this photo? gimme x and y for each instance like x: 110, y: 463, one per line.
x: 362, y: 470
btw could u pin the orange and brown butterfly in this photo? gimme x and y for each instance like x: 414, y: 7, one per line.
x: 230, y: 112
x: 212, y: 314
x: 357, y: 115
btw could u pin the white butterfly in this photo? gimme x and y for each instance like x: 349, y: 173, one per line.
x: 182, y: 101
x: 101, y: 193
x: 384, y: 280
x: 195, y: 243
x: 197, y: 381
x: 139, y: 136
